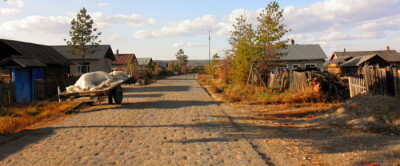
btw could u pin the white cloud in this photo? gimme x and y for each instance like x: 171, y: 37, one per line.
x: 189, y: 44
x: 103, y: 20
x: 17, y: 3
x: 61, y: 24
x: 114, y: 36
x: 321, y: 15
x: 199, y: 25
x: 52, y: 24
x: 101, y: 5
x: 9, y: 11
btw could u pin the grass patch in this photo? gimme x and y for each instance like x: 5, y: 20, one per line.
x: 259, y: 95
x: 17, y: 118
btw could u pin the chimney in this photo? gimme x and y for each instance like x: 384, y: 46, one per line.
x: 344, y: 50
x: 387, y: 48
x: 117, y: 52
x: 292, y: 42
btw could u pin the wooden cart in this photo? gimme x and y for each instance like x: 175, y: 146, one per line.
x: 113, y: 92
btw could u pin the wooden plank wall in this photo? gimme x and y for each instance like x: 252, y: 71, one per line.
x: 289, y: 80
x: 377, y: 81
x: 7, y: 94
x: 47, y: 88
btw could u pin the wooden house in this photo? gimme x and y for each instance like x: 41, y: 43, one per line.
x: 302, y: 57
x: 100, y: 60
x: 121, y: 60
x: 339, y: 58
x: 27, y: 61
x: 354, y: 65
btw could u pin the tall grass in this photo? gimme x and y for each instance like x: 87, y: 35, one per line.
x: 264, y: 95
x: 17, y: 118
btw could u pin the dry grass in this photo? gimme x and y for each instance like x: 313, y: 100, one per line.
x: 259, y: 95
x: 17, y: 118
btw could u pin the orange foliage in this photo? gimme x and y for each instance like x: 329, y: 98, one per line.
x: 15, y: 119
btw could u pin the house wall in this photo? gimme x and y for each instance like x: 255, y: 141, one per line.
x: 55, y: 72
x: 319, y: 63
x: 103, y: 64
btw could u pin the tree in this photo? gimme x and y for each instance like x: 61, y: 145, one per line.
x: 132, y: 67
x: 244, y: 50
x: 83, y: 36
x: 256, y: 50
x: 212, y: 68
x: 182, y: 58
x: 269, y: 34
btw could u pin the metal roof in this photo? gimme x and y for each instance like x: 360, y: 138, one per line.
x: 102, y: 51
x: 123, y: 59
x: 390, y: 56
x: 357, y: 61
x: 45, y: 54
x: 303, y: 52
x: 22, y: 61
x: 144, y: 61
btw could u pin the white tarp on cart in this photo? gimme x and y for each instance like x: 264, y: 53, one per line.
x: 97, y: 80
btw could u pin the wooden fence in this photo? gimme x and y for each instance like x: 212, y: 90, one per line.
x: 46, y: 88
x: 356, y: 86
x: 7, y: 94
x: 291, y: 80
x: 376, y: 81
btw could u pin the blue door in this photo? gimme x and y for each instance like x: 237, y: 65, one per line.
x: 23, y: 84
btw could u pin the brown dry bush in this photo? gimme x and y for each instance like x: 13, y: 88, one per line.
x: 16, y: 118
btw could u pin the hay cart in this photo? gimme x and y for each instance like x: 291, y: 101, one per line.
x: 112, y: 92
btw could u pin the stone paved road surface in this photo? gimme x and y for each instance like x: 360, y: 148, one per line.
x: 171, y: 122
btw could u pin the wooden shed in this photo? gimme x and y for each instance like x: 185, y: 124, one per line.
x: 27, y: 62
x: 354, y: 65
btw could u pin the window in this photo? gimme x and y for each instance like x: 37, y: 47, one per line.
x: 282, y: 67
x: 295, y: 66
x: 311, y: 65
x: 84, y: 68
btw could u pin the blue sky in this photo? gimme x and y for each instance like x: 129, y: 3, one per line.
x: 159, y: 28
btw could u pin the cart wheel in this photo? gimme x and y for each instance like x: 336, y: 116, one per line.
x: 117, y: 95
x: 110, y: 98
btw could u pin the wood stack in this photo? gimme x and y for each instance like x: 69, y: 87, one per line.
x: 288, y: 80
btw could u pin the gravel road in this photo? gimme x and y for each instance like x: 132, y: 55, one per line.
x: 171, y: 122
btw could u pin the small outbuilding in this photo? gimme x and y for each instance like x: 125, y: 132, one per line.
x: 354, y: 65
x: 27, y: 61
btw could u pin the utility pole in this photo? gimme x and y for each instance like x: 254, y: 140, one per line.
x: 209, y: 46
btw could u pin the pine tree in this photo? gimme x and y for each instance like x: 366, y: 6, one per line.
x: 269, y: 36
x: 83, y: 36
x: 182, y: 58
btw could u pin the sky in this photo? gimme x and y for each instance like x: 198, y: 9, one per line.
x: 159, y: 28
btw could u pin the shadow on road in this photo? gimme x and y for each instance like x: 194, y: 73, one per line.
x: 143, y: 95
x: 166, y: 104
x: 13, y: 143
x: 161, y: 89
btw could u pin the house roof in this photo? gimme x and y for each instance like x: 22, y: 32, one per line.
x: 339, y: 60
x: 103, y: 51
x: 357, y: 61
x: 389, y: 56
x: 23, y: 61
x: 144, y: 61
x: 122, y: 59
x: 303, y: 52
x: 45, y: 54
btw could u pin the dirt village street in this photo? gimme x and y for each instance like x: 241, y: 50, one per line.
x: 176, y: 122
